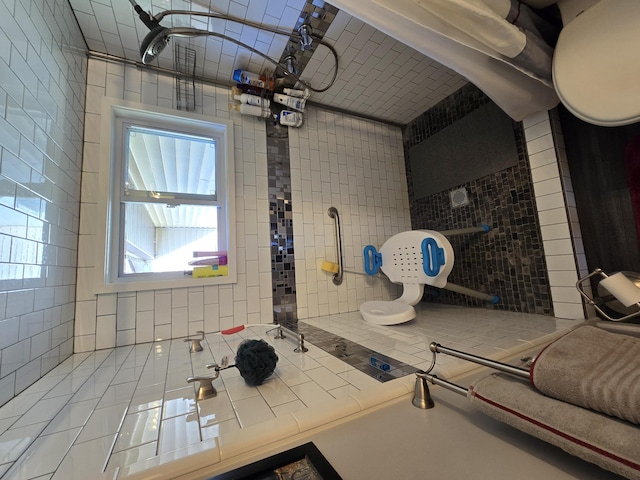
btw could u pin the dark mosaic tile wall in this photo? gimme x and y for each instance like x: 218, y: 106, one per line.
x: 283, y: 275
x: 509, y: 260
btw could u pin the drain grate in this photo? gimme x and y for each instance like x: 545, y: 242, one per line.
x: 459, y: 197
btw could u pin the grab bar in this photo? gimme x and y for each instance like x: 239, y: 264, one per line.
x: 337, y: 277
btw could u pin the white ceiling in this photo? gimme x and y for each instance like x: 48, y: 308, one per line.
x: 378, y: 77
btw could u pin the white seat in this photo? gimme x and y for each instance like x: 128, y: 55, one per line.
x: 381, y: 312
x: 404, y: 263
x: 596, y: 71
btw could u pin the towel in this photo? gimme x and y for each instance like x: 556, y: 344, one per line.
x: 605, y: 441
x: 594, y: 369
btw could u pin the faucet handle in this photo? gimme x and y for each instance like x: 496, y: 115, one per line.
x: 223, y: 364
x: 195, y: 342
x: 199, y: 332
x: 206, y: 389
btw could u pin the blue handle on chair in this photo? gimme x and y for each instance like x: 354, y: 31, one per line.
x: 372, y: 260
x: 432, y: 257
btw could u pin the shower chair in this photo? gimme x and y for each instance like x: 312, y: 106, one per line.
x: 414, y: 258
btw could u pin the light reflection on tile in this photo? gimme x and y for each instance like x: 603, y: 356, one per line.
x: 15, y: 441
x: 179, y: 402
x: 219, y: 429
x: 138, y: 428
x: 132, y: 455
x: 177, y: 432
x: 44, y: 455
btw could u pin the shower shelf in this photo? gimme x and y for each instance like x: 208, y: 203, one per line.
x: 185, y: 67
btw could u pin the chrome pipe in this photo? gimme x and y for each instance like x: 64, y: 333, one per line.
x: 520, y: 372
x: 454, y: 387
x: 337, y: 277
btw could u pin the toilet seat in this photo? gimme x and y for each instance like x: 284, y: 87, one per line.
x: 596, y: 72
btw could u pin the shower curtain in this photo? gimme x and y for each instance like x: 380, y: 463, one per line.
x: 499, y: 45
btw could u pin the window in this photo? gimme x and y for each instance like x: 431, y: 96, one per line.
x: 168, y: 208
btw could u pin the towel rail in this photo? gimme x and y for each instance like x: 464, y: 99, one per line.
x: 422, y: 397
x: 337, y: 277
x: 519, y: 371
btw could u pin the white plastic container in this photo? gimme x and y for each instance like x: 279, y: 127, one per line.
x: 297, y: 93
x: 253, y: 110
x: 291, y: 102
x: 290, y: 119
x: 252, y: 99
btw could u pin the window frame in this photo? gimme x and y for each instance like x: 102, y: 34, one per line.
x: 116, y: 115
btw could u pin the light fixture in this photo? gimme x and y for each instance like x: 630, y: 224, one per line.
x: 158, y: 38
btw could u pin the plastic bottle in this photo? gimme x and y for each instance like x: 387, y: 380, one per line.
x: 290, y: 119
x: 291, y: 102
x: 241, y: 88
x: 252, y: 99
x: 254, y: 110
x: 251, y: 78
x: 297, y: 93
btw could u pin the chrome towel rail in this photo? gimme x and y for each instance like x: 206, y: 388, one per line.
x: 337, y: 277
x: 422, y: 397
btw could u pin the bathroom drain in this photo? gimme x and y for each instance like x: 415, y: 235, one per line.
x: 459, y: 197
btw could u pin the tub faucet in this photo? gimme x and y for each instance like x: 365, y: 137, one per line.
x: 206, y: 389
x: 195, y: 342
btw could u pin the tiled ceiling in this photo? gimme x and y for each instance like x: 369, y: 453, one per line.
x: 378, y: 77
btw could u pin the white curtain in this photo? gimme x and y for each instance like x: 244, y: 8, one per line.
x: 475, y: 38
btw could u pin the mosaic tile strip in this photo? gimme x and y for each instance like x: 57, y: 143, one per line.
x: 281, y: 224
x: 509, y: 260
x: 375, y: 364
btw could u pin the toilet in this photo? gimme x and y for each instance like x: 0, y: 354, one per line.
x: 414, y: 259
x: 596, y: 71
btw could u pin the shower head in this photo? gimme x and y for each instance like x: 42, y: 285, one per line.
x: 158, y: 38
x: 153, y: 44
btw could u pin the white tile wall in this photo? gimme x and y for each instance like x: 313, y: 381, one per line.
x: 356, y: 166
x: 561, y: 237
x: 360, y: 165
x: 43, y: 71
x: 378, y: 75
x: 109, y: 320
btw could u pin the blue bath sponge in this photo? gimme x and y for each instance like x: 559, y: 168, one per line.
x: 256, y: 360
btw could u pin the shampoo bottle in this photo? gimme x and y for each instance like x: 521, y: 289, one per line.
x: 297, y: 93
x: 254, y: 110
x: 291, y: 102
x: 242, y: 76
x: 252, y: 99
x: 290, y: 119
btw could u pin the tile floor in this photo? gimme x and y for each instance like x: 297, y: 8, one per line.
x: 106, y: 409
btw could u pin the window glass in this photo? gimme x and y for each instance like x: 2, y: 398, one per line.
x: 168, y: 200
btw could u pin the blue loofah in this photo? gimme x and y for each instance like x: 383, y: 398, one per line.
x: 256, y: 360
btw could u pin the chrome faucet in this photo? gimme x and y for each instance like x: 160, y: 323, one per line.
x: 195, y: 342
x: 206, y: 389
